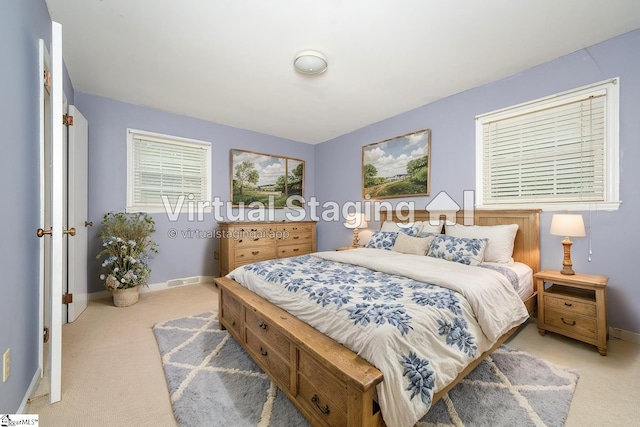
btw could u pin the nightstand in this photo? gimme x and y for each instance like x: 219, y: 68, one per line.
x: 574, y: 306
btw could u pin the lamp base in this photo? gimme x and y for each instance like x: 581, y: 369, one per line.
x: 356, y: 239
x: 567, y: 270
x: 566, y: 262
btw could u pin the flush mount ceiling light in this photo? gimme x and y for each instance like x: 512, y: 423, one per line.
x: 310, y: 62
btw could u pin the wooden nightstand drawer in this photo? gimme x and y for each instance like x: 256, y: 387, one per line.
x: 580, y: 325
x: 570, y: 306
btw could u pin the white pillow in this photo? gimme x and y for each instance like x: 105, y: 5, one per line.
x: 411, y: 228
x: 501, y: 238
x: 427, y: 227
x: 412, y: 245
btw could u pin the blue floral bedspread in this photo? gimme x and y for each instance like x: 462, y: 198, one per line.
x: 419, y: 333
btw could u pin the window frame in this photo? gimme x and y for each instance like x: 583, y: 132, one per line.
x: 131, y: 205
x: 611, y: 161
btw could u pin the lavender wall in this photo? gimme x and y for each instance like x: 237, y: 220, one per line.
x: 178, y: 257
x: 451, y: 120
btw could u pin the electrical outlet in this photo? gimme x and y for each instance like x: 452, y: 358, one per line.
x: 6, y: 365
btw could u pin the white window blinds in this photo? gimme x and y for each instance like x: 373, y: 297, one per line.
x: 161, y: 165
x: 555, y: 152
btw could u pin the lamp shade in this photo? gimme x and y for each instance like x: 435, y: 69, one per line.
x: 310, y: 62
x: 568, y: 225
x: 356, y: 220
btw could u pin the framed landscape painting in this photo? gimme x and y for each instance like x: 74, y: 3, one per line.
x: 257, y: 178
x: 397, y: 167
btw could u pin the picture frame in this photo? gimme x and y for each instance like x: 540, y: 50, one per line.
x: 265, y: 180
x: 397, y: 167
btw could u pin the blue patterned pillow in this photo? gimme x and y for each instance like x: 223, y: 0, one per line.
x: 428, y: 234
x: 458, y: 249
x: 383, y: 240
x: 411, y: 231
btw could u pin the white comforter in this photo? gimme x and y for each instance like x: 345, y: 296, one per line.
x: 419, y: 320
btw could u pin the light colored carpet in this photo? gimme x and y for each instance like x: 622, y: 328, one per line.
x: 100, y: 389
x: 213, y: 382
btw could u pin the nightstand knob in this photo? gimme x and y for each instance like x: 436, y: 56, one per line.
x: 568, y: 304
x: 568, y: 323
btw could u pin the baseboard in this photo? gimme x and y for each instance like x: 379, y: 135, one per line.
x: 154, y: 287
x: 30, y: 390
x: 624, y: 335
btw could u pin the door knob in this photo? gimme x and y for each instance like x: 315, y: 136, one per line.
x: 71, y: 231
x: 41, y: 233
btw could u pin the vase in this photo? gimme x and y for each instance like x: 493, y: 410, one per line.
x: 126, y: 297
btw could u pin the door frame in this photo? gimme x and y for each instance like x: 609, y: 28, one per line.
x: 77, y: 213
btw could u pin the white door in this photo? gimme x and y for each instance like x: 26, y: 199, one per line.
x: 45, y: 205
x: 58, y: 255
x: 77, y: 213
x: 57, y: 161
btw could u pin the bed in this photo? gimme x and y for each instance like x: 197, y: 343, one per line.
x: 331, y: 384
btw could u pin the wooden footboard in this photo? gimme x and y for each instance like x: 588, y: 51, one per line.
x: 330, y: 385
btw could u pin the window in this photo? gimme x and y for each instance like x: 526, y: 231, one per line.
x: 162, y: 165
x: 555, y: 153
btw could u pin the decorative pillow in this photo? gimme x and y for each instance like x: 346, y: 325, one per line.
x: 413, y: 245
x: 411, y: 229
x: 458, y: 249
x: 501, y: 238
x: 427, y: 227
x: 383, y: 240
x: 428, y: 234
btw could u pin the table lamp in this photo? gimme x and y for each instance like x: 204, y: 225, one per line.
x: 567, y: 225
x: 355, y: 221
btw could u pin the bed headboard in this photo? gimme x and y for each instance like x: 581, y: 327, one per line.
x: 526, y: 248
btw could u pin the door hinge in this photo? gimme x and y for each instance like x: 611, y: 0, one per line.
x: 45, y: 335
x: 47, y: 78
x: 67, y: 298
x: 67, y: 120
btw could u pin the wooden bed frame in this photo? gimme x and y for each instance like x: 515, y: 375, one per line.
x: 329, y: 383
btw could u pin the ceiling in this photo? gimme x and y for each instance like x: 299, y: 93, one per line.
x: 231, y: 62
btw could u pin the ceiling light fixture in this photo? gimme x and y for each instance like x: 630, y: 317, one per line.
x: 310, y: 62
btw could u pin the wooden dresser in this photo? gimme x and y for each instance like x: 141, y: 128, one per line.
x: 245, y: 242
